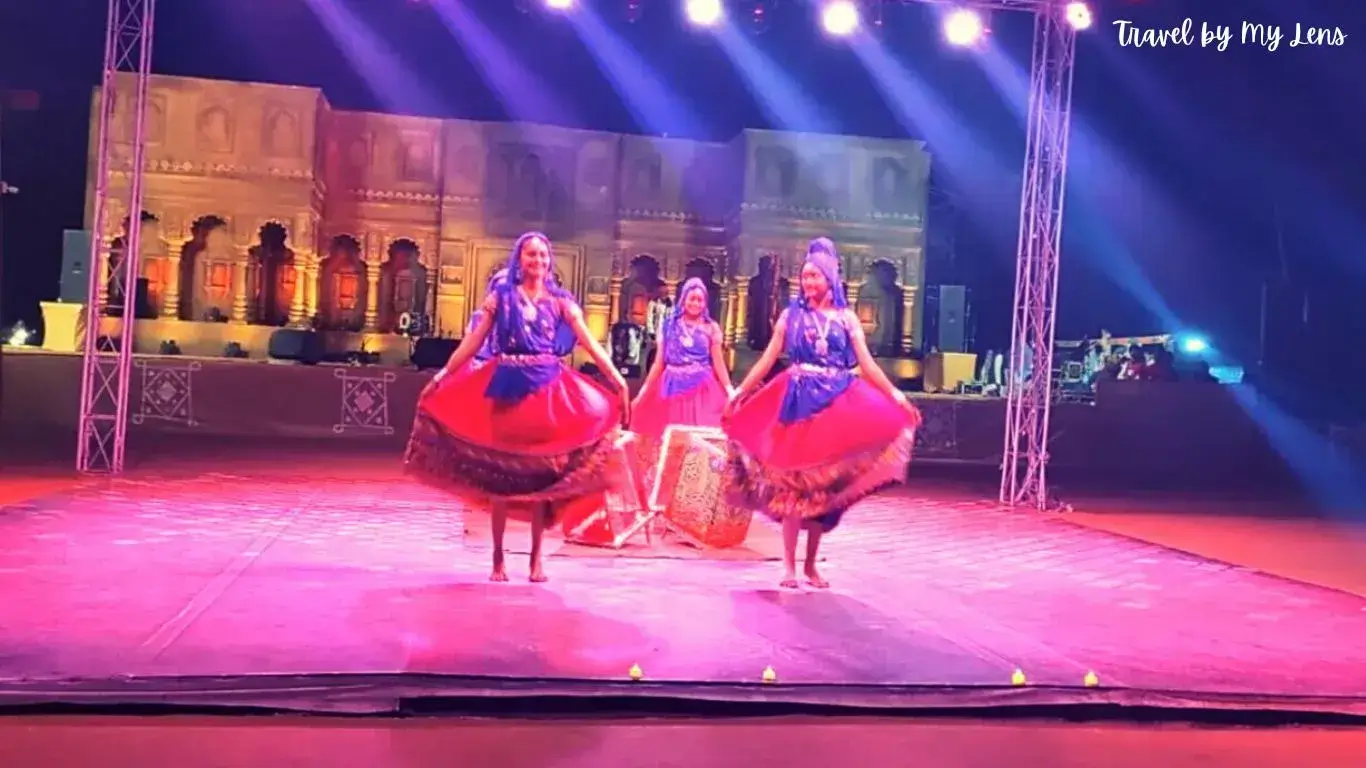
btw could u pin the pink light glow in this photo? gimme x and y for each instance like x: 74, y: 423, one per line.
x: 840, y: 17
x: 1079, y: 15
x: 963, y: 27
x: 559, y: 5
x: 703, y: 13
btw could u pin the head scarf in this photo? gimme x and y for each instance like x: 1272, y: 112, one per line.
x: 509, y: 318
x: 690, y: 285
x: 822, y: 255
x: 497, y: 280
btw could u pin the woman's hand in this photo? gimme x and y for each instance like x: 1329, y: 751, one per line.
x: 913, y: 412
x: 432, y: 385
x: 736, y: 397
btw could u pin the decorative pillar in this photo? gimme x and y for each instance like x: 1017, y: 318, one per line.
x: 851, y: 292
x: 255, y: 277
x: 170, y: 298
x: 671, y: 288
x: 429, y: 295
x: 728, y: 314
x: 238, y: 313
x: 907, y: 318
x: 741, y: 310
x: 298, y: 304
x: 308, y: 287
x: 372, y: 297
x: 614, y: 300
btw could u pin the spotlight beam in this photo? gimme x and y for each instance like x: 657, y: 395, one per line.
x: 1029, y: 395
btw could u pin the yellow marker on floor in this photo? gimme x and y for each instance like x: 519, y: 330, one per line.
x: 636, y: 672
x: 1090, y: 681
x: 1017, y: 677
x: 769, y: 675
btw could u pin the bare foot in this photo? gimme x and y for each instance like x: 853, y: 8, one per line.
x: 500, y: 571
x: 538, y: 574
x: 813, y: 577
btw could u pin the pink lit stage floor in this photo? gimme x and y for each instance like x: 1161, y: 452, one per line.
x: 354, y: 590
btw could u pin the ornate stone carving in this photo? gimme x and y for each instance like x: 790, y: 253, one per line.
x: 214, y: 130
x: 280, y: 134
x: 419, y: 158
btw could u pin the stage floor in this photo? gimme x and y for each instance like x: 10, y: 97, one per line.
x: 354, y: 589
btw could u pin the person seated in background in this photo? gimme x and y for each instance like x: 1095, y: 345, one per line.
x: 1162, y: 367
x: 1135, y: 366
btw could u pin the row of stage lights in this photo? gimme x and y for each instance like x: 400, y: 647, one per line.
x: 962, y: 26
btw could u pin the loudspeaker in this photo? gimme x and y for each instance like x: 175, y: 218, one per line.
x: 293, y: 344
x: 948, y: 314
x: 75, y: 281
x: 432, y: 352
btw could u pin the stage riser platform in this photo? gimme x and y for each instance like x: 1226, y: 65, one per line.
x: 1195, y: 430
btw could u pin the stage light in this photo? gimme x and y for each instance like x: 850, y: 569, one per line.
x: 632, y: 11
x: 559, y: 5
x: 963, y: 28
x: 1193, y: 345
x: 1079, y: 15
x: 703, y: 13
x: 839, y: 17
x: 759, y: 16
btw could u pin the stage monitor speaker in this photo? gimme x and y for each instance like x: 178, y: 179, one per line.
x: 75, y: 281
x: 298, y: 345
x: 953, y: 318
x: 430, y: 353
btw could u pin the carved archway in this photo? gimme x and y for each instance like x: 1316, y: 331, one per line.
x: 153, y: 267
x: 765, y: 301
x: 342, y: 286
x: 206, y: 263
x: 274, y: 275
x: 705, y: 270
x: 879, y: 308
x: 402, y: 284
x: 642, y: 285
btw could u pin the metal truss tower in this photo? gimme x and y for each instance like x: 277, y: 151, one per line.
x: 106, y: 367
x: 1029, y: 399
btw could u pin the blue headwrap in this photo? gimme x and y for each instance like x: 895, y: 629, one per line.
x: 690, y: 285
x: 509, y: 318
x: 822, y: 255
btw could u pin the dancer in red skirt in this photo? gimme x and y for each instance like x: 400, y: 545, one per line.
x: 688, y: 383
x: 826, y: 432
x: 523, y: 431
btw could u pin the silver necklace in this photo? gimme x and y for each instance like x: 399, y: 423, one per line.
x: 686, y: 338
x: 822, y: 333
x: 529, y: 311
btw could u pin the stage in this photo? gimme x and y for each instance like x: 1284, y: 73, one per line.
x: 1195, y: 434
x: 330, y: 583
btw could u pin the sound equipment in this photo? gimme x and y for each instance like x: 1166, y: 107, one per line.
x: 950, y: 318
x: 431, y: 352
x: 75, y: 279
x: 297, y: 345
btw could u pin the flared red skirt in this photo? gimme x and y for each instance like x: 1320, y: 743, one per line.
x: 551, y: 446
x: 817, y: 467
